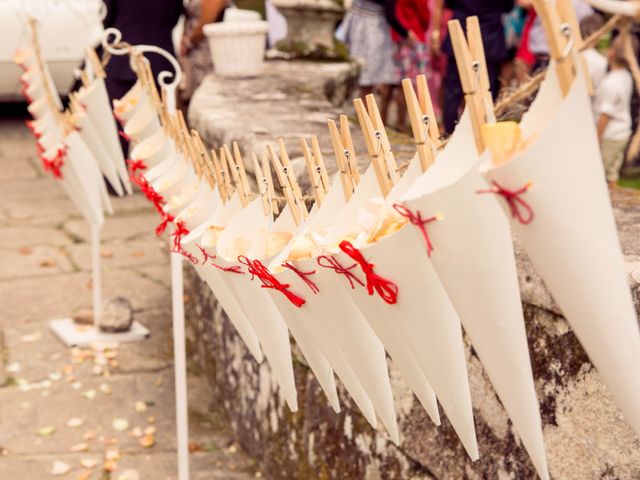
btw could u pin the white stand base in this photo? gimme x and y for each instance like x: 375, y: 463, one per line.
x: 74, y: 335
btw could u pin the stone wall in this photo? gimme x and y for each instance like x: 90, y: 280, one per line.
x: 585, y: 434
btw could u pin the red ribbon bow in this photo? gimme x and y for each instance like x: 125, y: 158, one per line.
x: 55, y: 164
x: 257, y: 269
x: 333, y: 264
x: 386, y: 289
x: 303, y: 275
x: 135, y: 165
x: 515, y: 202
x: 206, y: 257
x: 417, y: 220
x: 180, y: 231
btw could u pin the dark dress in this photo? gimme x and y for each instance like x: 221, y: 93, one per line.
x: 489, y: 14
x: 148, y: 22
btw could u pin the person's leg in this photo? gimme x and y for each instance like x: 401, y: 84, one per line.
x: 612, y: 157
x: 452, y: 96
x: 402, y: 110
x: 385, y: 100
x: 493, y: 69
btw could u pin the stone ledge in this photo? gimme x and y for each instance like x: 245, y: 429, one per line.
x: 585, y: 433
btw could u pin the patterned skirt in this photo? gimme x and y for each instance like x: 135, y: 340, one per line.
x: 411, y: 60
x: 368, y: 36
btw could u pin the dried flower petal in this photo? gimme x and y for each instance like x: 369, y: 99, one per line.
x: 79, y: 447
x: 75, y: 422
x: 89, y: 463
x: 120, y: 424
x: 46, y: 431
x: 60, y: 468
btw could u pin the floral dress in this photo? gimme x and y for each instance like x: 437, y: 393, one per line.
x: 197, y: 63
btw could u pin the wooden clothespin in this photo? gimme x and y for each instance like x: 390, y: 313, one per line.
x: 266, y: 170
x: 342, y: 159
x: 263, y: 187
x: 220, y: 179
x: 474, y: 77
x: 240, y: 167
x: 225, y: 172
x: 377, y: 143
x: 423, y: 120
x: 288, y: 183
x: 96, y: 64
x: 320, y: 166
x: 313, y: 171
x: 201, y: 150
x: 562, y: 30
x: 235, y: 168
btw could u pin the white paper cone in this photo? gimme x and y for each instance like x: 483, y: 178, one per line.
x: 154, y: 173
x: 256, y: 303
x: 421, y: 332
x: 213, y: 277
x: 473, y: 256
x: 143, y: 124
x: 572, y: 240
x: 128, y: 105
x: 98, y: 149
x: 96, y: 102
x: 153, y: 150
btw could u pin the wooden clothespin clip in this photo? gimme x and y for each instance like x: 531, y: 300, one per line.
x: 186, y: 146
x: 96, y: 64
x: 235, y: 167
x: 240, y: 167
x: 562, y: 30
x: 225, y: 172
x: 263, y: 186
x: 320, y: 166
x: 474, y: 77
x: 288, y: 183
x: 266, y: 169
x: 220, y: 179
x: 314, y: 174
x: 201, y: 150
x: 423, y: 120
x: 377, y: 143
x: 342, y: 159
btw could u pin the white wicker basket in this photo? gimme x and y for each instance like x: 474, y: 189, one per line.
x: 237, y: 48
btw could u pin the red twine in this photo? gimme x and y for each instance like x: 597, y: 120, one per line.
x: 257, y: 269
x: 417, y: 220
x: 23, y: 92
x: 180, y: 231
x: 126, y: 137
x: 55, y: 164
x: 333, y: 264
x: 32, y: 128
x: 206, y: 257
x: 135, y: 165
x: 303, y: 275
x: 149, y: 192
x: 167, y: 218
x: 515, y: 202
x: 386, y: 289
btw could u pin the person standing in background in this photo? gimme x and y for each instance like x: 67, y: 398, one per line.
x: 366, y: 31
x: 142, y: 22
x: 613, y: 109
x: 489, y: 13
x: 596, y: 62
x: 195, y: 56
x: 411, y: 55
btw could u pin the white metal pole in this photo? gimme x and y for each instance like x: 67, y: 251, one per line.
x: 180, y: 365
x: 96, y: 286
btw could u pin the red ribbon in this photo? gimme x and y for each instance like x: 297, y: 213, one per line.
x: 257, y: 269
x: 333, y: 264
x: 167, y: 218
x: 206, y: 257
x: 55, y: 164
x: 149, y: 192
x: 386, y: 289
x: 180, y: 231
x: 515, y: 202
x: 135, y: 165
x: 31, y: 126
x: 417, y: 220
x: 303, y: 275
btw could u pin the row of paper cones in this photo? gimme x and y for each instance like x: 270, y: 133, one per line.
x: 397, y: 263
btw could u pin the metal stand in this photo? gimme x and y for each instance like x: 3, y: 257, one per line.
x: 75, y: 335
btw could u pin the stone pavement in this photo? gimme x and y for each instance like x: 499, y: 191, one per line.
x: 107, y: 409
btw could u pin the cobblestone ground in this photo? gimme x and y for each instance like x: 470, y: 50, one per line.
x: 88, y: 411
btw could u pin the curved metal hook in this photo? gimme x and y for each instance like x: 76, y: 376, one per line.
x: 164, y: 76
x: 112, y: 46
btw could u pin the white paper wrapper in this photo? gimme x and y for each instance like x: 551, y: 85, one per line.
x: 255, y: 302
x: 473, y: 256
x: 153, y: 150
x: 572, y: 240
x: 143, y: 124
x: 175, y: 180
x: 155, y: 172
x: 99, y: 151
x: 213, y: 277
x: 422, y: 331
x: 135, y: 99
x: 96, y: 102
